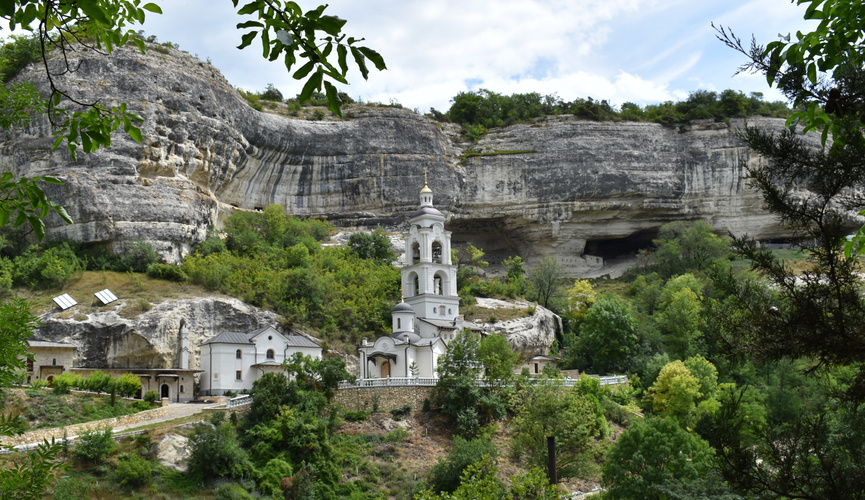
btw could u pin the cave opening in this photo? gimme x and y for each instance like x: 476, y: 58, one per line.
x: 621, y: 248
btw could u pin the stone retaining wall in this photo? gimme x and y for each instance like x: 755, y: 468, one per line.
x: 40, y: 435
x: 389, y: 398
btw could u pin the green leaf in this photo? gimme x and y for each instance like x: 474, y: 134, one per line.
x: 7, y: 8
x: 152, y: 7
x: 38, y: 227
x: 303, y: 71
x: 331, y: 25
x: 313, y: 84
x: 247, y: 39
x: 359, y: 59
x: 341, y: 53
x: 334, y: 103
x: 135, y: 134
x: 249, y: 24
x: 50, y: 180
x: 250, y: 8
x: 373, y: 56
x: 62, y: 213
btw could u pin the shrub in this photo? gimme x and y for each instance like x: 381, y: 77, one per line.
x: 94, y: 446
x: 230, y: 491
x: 98, y: 381
x: 398, y: 413
x: 167, y: 272
x: 128, y: 385
x: 66, y: 381
x: 151, y: 396
x: 137, y: 256
x: 270, y: 477
x: 356, y: 416
x: 445, y: 475
x: 133, y: 471
x: 216, y: 453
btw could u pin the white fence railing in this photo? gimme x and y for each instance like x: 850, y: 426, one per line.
x: 243, y: 399
x: 430, y: 381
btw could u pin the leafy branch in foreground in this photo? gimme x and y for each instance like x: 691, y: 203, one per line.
x: 288, y: 32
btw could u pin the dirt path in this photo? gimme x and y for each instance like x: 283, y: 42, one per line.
x: 175, y: 411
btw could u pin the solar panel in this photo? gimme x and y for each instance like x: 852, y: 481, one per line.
x: 64, y: 301
x: 105, y: 296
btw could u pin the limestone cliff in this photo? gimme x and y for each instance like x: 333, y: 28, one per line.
x: 107, y: 339
x: 582, y: 191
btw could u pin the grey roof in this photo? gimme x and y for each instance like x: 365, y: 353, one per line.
x: 230, y: 338
x: 246, y: 338
x: 402, y: 306
x: 409, y: 337
x: 427, y: 341
x: 426, y: 211
x: 300, y: 341
x: 447, y: 324
x: 47, y: 343
x: 268, y: 362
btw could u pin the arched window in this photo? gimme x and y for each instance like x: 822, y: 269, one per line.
x: 54, y: 361
x: 415, y: 253
x: 270, y: 354
x: 437, y: 252
x: 416, y: 285
x: 238, y: 354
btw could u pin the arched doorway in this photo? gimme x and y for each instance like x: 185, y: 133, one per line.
x: 164, y: 391
x: 50, y: 380
x: 385, y: 369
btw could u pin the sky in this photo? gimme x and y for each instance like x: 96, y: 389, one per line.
x: 642, y: 51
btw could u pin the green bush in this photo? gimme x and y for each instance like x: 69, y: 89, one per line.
x: 137, y: 256
x: 398, y: 413
x: 98, y: 381
x: 66, y: 381
x: 230, y: 491
x: 167, y: 272
x: 151, y: 396
x: 94, y: 446
x: 132, y: 471
x: 445, y: 475
x: 356, y: 416
x: 128, y: 385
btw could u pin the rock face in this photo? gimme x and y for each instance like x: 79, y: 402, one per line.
x: 174, y: 451
x: 582, y: 191
x: 152, y: 340
x: 527, y: 336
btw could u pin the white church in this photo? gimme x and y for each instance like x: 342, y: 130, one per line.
x: 428, y: 316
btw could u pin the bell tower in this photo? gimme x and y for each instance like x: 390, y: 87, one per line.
x: 429, y: 278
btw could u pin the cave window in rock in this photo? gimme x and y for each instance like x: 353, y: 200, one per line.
x: 415, y: 253
x: 238, y: 354
x: 270, y: 354
x: 437, y: 252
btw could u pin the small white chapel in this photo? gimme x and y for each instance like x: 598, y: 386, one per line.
x: 428, y: 317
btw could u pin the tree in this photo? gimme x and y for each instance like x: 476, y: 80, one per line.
x: 515, y: 274
x: 678, y: 320
x: 608, y: 335
x: 497, y: 358
x: 375, y: 245
x: 554, y: 411
x: 653, y: 456
x: 466, y: 405
x: 469, y: 261
x: 545, y: 279
x: 581, y: 296
x: 445, y: 474
x: 675, y: 393
x: 684, y: 246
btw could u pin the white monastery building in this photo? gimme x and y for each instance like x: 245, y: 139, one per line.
x: 428, y: 317
x: 232, y: 361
